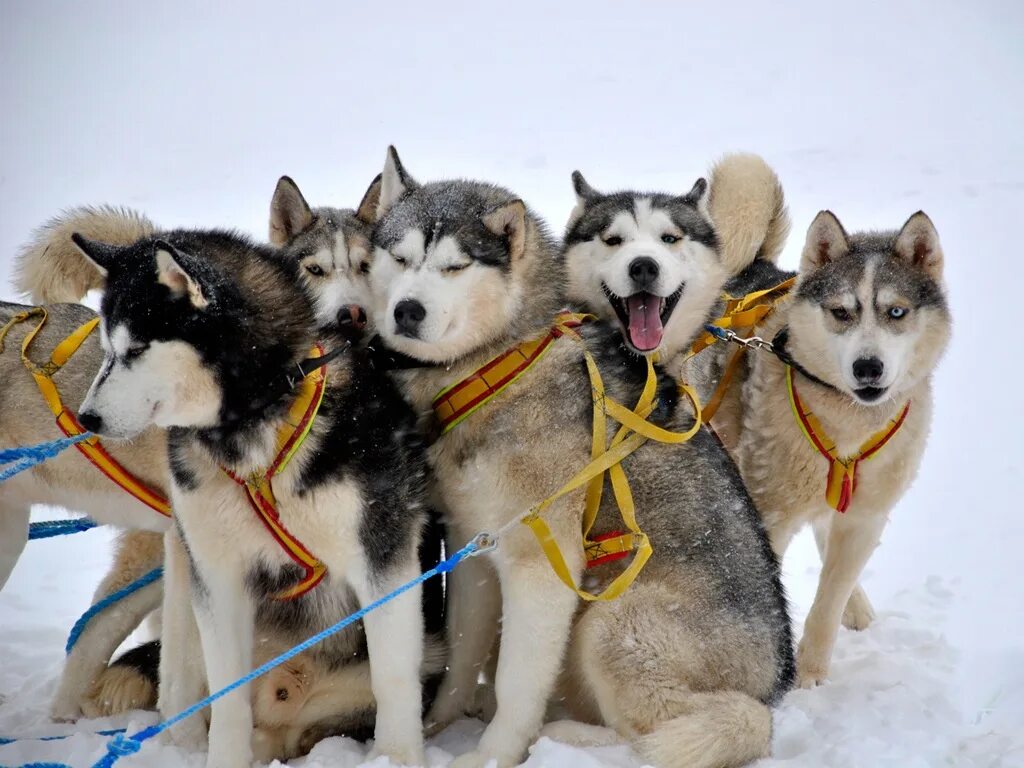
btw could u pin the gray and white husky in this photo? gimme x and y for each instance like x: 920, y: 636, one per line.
x: 203, y: 334
x: 326, y: 241
x: 863, y: 330
x: 688, y: 661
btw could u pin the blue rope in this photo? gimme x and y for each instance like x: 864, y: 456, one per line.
x: 112, y: 732
x: 114, y: 597
x: 27, y: 456
x: 123, y: 746
x: 51, y: 528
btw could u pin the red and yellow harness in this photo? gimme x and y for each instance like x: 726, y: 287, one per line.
x: 66, y: 420
x: 457, y: 402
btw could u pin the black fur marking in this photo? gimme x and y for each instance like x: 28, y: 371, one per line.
x: 144, y: 659
x: 183, y: 474
x: 599, y: 213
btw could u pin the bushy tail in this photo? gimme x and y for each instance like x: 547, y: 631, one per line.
x: 720, y: 730
x: 748, y: 209
x: 49, y: 268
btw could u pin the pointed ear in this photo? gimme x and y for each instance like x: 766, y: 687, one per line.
x: 394, y: 182
x: 826, y: 241
x: 171, y: 271
x: 289, y: 212
x: 509, y: 220
x: 584, y: 192
x: 918, y: 244
x: 367, y: 210
x: 103, y: 256
x: 698, y: 197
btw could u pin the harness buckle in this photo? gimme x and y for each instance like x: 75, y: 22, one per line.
x: 483, y: 542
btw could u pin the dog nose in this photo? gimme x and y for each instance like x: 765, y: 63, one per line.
x: 352, y: 316
x: 91, y: 421
x: 643, y: 271
x: 868, y: 370
x: 409, y: 313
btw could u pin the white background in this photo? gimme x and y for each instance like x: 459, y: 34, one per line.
x: 872, y: 110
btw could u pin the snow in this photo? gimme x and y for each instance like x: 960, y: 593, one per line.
x: 874, y: 110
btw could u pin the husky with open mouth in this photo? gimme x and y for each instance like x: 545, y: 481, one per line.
x: 687, y: 662
x: 655, y: 263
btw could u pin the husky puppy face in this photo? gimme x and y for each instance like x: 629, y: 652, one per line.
x: 187, y: 332
x: 332, y: 248
x: 451, y: 260
x: 869, y: 313
x: 647, y: 262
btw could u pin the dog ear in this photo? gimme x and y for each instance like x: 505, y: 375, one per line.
x: 394, y: 182
x: 509, y: 220
x: 172, y: 270
x: 826, y: 241
x: 584, y: 192
x: 698, y: 197
x: 289, y: 212
x: 104, y: 257
x: 918, y: 245
x: 367, y: 210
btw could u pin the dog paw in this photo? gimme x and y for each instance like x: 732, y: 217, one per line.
x: 810, y: 673
x: 445, y: 711
x: 858, y: 614
x: 476, y: 759
x: 64, y: 710
x: 410, y: 755
x: 190, y: 735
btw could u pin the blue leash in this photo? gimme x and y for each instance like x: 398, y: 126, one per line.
x: 27, y: 456
x: 123, y: 746
x: 51, y: 528
x: 114, y: 597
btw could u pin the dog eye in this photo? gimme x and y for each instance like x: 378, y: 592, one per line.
x: 897, y: 313
x: 455, y: 268
x: 316, y: 270
x: 670, y: 238
x: 841, y: 314
x: 134, y: 352
x: 364, y: 267
x: 612, y: 241
x: 398, y: 259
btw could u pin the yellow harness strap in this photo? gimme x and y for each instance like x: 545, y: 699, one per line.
x: 745, y: 312
x: 259, y: 488
x: 67, y: 422
x: 633, y: 432
x: 842, y: 471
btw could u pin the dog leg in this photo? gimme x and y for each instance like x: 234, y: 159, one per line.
x: 394, y: 640
x: 226, y: 617
x: 182, y: 671
x: 537, y: 616
x: 474, y: 605
x: 137, y: 554
x: 858, y: 613
x: 850, y: 543
x: 13, y: 536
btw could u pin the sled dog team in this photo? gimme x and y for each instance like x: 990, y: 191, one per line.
x: 327, y: 414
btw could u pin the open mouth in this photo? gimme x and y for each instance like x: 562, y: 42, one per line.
x: 644, y: 316
x: 870, y: 394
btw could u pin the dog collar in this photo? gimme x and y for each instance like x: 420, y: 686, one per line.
x: 259, y: 487
x: 453, y: 404
x: 67, y: 421
x: 779, y: 350
x: 842, y: 472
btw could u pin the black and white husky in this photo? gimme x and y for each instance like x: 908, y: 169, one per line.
x: 202, y: 334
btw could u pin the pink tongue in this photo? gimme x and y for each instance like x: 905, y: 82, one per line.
x: 645, y: 329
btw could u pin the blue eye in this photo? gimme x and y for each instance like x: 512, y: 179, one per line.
x: 669, y: 239
x: 897, y: 313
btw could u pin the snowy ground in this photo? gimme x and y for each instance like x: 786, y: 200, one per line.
x: 873, y: 111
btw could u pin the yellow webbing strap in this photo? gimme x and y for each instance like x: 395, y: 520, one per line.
x: 745, y: 312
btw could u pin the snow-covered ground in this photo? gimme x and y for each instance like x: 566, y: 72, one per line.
x: 873, y: 110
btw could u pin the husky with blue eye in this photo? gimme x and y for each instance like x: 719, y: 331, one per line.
x: 686, y: 663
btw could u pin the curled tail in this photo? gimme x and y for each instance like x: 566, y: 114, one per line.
x: 50, y: 268
x: 749, y: 211
x: 724, y: 728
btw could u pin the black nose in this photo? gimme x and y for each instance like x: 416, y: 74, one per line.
x: 868, y: 370
x: 409, y: 313
x: 91, y: 421
x: 643, y: 271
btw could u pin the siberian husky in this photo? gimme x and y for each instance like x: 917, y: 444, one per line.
x: 688, y: 661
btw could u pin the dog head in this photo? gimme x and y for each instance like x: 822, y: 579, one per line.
x: 192, y: 325
x: 869, y: 312
x: 457, y: 265
x: 332, y: 248
x: 645, y: 261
